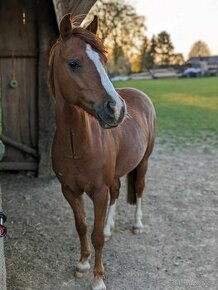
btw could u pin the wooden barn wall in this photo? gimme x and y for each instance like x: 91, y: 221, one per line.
x: 18, y: 63
x: 49, y: 14
x: 48, y: 33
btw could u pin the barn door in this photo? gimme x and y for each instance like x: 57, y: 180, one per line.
x: 18, y: 84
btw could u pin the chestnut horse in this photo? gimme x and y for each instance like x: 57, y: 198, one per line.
x: 96, y: 140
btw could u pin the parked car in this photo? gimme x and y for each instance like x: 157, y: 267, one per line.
x: 192, y: 72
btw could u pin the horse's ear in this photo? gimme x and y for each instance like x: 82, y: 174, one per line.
x: 93, y: 26
x: 65, y: 26
x: 51, y: 73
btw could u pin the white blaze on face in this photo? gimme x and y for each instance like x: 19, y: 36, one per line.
x: 106, y: 83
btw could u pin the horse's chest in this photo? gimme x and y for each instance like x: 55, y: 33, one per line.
x: 77, y: 162
x: 72, y: 148
x: 68, y: 146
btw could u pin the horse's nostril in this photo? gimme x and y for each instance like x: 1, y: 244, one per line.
x: 110, y: 107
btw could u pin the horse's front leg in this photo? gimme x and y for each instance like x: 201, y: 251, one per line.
x: 76, y: 202
x: 100, y: 200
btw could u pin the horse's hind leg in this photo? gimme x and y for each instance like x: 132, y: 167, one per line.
x: 139, y: 188
x: 76, y: 202
x: 110, y: 222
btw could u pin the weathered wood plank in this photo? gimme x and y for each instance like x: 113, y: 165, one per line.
x: 19, y: 146
x: 18, y: 60
x: 17, y: 33
x: 18, y: 166
x: 18, y: 53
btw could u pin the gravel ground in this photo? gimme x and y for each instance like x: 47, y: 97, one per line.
x: 178, y: 249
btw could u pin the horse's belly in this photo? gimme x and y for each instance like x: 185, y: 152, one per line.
x: 131, y: 155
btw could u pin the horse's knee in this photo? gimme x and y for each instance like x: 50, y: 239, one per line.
x: 81, y: 228
x: 97, y: 240
x: 114, y: 191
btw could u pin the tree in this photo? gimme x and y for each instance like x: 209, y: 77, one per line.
x: 119, y: 26
x: 177, y: 59
x: 122, y: 66
x: 199, y: 49
x: 143, y: 52
x: 118, y: 63
x: 159, y: 50
x: 164, y: 48
x: 136, y: 64
x: 148, y: 53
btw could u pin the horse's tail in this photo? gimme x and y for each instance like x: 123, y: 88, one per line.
x: 131, y: 190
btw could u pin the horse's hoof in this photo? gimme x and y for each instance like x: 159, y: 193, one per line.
x: 79, y: 274
x: 98, y: 284
x: 82, y: 269
x: 138, y: 230
x: 107, y: 238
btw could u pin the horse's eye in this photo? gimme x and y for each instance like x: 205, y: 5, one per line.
x: 74, y: 64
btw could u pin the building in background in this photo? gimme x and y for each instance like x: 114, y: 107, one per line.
x: 207, y: 64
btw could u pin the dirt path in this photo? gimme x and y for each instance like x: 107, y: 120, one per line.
x: 177, y: 251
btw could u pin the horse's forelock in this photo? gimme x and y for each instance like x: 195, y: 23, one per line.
x: 92, y: 39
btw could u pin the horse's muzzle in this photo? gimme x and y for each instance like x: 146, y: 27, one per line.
x: 109, y: 115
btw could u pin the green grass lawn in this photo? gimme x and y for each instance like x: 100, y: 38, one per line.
x: 187, y: 109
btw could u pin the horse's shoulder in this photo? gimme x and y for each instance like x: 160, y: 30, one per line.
x: 134, y: 96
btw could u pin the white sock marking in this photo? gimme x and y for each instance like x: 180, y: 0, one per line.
x: 98, y: 285
x: 83, y: 266
x: 138, y: 214
x: 106, y: 83
x: 110, y: 220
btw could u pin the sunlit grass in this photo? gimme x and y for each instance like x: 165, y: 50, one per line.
x: 193, y: 100
x: 187, y: 109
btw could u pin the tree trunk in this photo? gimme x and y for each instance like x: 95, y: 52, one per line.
x: 47, y: 35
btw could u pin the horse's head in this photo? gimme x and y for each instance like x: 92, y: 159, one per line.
x: 77, y: 71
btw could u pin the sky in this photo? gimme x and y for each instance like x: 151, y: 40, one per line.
x: 186, y: 21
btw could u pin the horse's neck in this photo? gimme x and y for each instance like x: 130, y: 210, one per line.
x: 72, y: 131
x: 71, y: 118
